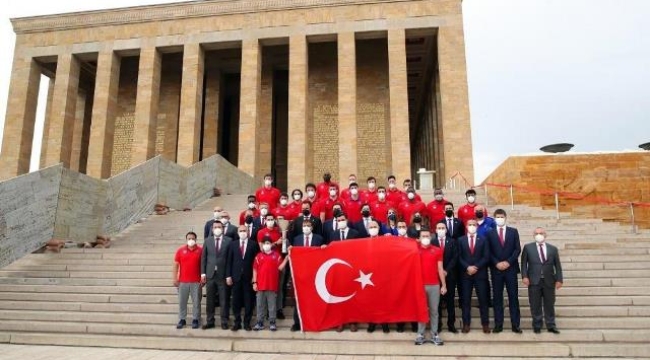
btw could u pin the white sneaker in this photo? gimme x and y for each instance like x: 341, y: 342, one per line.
x: 436, y: 340
x: 419, y: 340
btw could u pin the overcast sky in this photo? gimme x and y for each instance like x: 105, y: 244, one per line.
x: 539, y: 72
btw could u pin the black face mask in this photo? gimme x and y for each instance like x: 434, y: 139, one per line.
x: 306, y: 212
x: 392, y: 217
x: 449, y: 213
x: 417, y: 219
x: 479, y: 214
x: 249, y: 219
x: 365, y: 213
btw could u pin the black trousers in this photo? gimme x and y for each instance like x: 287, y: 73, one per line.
x: 448, y: 299
x: 242, y: 296
x: 539, y: 296
x: 507, y: 279
x: 482, y: 287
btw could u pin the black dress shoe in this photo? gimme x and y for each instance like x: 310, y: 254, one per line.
x: 465, y: 329
x: 236, y: 327
x: 280, y: 315
x: 497, y: 329
x: 400, y: 328
x: 295, y: 327
x: 371, y: 328
x: 248, y: 327
x: 452, y: 329
x: 537, y: 331
x: 516, y: 329
x: 486, y: 329
x: 385, y: 328
x: 208, y: 326
x: 224, y: 326
x: 554, y: 330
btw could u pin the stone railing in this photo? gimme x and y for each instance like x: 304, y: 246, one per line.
x: 59, y: 203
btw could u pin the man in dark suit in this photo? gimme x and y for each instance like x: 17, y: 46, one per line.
x: 331, y: 226
x: 307, y: 238
x: 504, y: 251
x: 449, y: 247
x: 207, y: 229
x: 305, y: 215
x: 229, y: 229
x: 455, y: 227
x: 239, y: 274
x: 474, y: 259
x: 344, y: 231
x: 213, y: 275
x: 541, y: 271
x: 362, y: 226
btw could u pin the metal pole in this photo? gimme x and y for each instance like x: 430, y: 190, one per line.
x: 512, y: 197
x: 487, y: 197
x: 632, y: 218
x: 557, y: 206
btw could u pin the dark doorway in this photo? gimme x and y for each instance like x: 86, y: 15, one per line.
x: 229, y: 118
x: 280, y: 144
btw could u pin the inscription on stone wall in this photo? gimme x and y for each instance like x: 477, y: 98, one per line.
x: 160, y: 134
x: 326, y: 139
x: 371, y: 139
x: 122, y: 142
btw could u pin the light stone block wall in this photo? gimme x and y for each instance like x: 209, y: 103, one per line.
x: 63, y: 204
x: 28, y: 206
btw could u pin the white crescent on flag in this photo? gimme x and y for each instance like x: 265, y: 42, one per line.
x: 321, y: 286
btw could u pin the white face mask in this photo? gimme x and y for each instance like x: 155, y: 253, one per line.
x: 381, y: 196
x: 471, y: 199
x: 283, y: 202
x: 439, y: 197
x: 500, y: 221
x: 411, y: 196
x: 539, y: 238
x: 332, y: 193
x: 224, y: 221
x: 401, y: 232
x: 373, y: 231
x: 426, y: 241
x: 251, y: 206
x: 266, y: 248
x: 217, y: 215
x: 371, y: 186
x: 306, y: 230
x: 471, y: 229
x: 311, y: 194
x: 217, y: 231
x: 243, y: 235
x: 264, y: 211
x: 297, y: 197
x: 354, y: 191
x: 268, y: 182
x: 441, y: 233
x: 342, y: 224
x: 391, y: 185
x: 270, y: 223
x: 191, y: 242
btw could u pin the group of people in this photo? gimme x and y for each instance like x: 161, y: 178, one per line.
x: 468, y: 253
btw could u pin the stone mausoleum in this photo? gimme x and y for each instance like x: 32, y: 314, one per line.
x: 290, y: 87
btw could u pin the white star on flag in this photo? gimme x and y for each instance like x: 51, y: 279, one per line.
x: 364, y: 279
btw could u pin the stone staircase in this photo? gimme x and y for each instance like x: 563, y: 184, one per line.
x: 123, y: 297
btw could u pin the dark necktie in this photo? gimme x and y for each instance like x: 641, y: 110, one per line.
x: 307, y: 241
x: 218, y: 245
x: 450, y: 226
x: 501, y: 238
x: 241, y: 248
x: 471, y: 244
x: 541, y: 252
x: 342, y: 234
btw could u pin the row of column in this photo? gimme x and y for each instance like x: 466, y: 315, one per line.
x: 23, y: 95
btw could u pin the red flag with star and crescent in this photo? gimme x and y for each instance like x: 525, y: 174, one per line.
x: 363, y: 280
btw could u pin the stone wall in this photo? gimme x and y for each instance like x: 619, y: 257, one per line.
x: 63, y: 204
x: 589, y: 185
x: 28, y: 206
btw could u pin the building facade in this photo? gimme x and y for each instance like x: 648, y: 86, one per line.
x: 290, y: 87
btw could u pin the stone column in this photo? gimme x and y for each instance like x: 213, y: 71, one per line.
x: 249, y: 107
x: 189, y: 124
x: 20, y: 118
x: 211, y: 115
x: 298, y: 91
x: 100, y: 145
x: 64, y: 101
x: 46, y: 123
x: 454, y: 106
x: 347, y: 77
x: 77, y: 133
x: 399, y: 107
x: 146, y: 106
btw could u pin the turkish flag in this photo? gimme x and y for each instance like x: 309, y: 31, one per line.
x: 363, y: 280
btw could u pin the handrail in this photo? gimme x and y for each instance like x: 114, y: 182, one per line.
x: 452, y: 183
x: 569, y: 196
